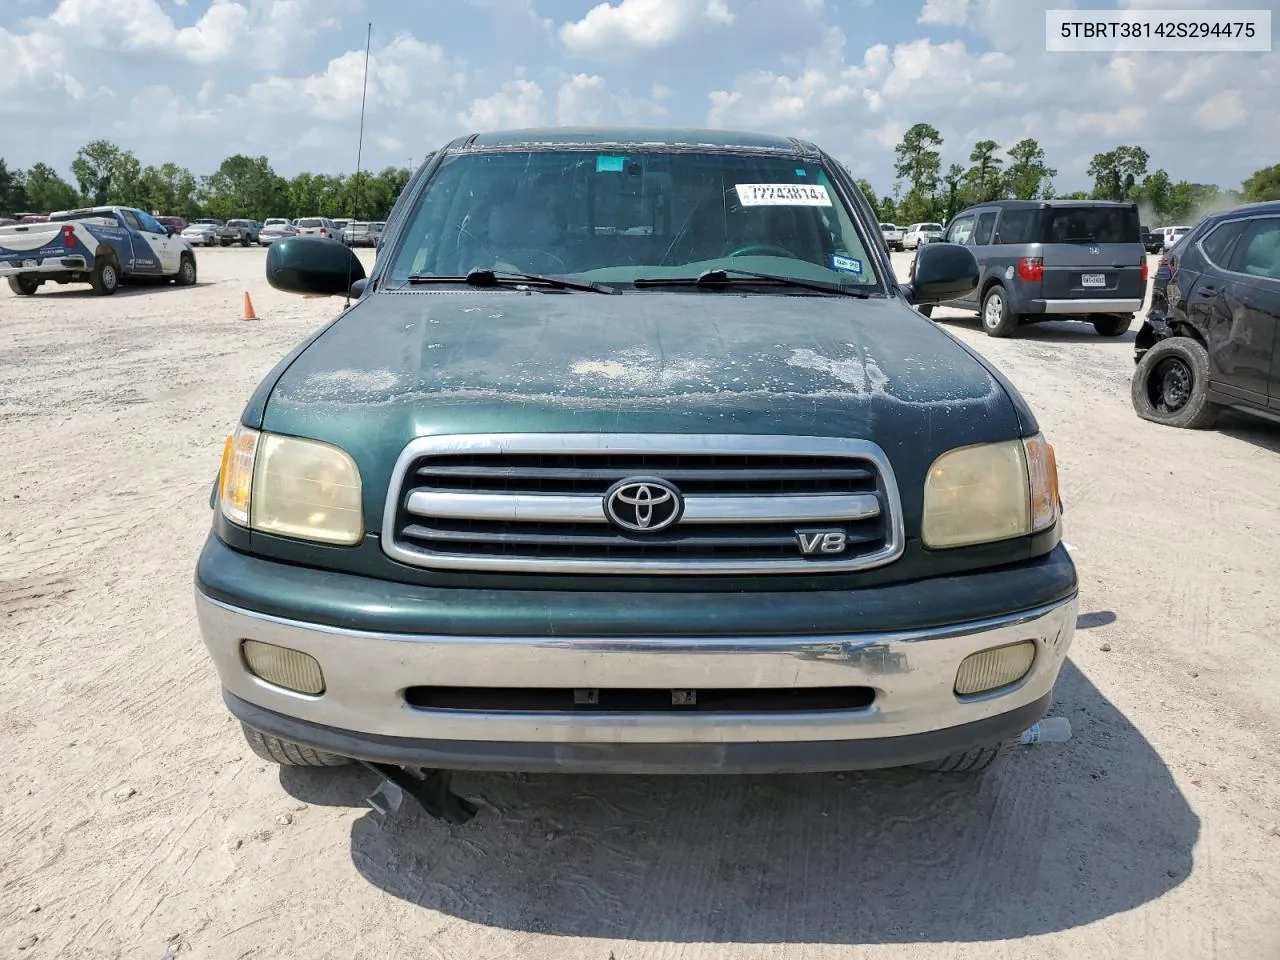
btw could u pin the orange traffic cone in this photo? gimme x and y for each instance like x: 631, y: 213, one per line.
x: 248, y: 308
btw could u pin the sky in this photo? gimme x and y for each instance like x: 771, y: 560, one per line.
x: 194, y: 81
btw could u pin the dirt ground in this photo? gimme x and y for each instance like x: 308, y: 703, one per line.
x: 135, y: 823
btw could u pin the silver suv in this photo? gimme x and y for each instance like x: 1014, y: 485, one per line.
x: 1053, y: 260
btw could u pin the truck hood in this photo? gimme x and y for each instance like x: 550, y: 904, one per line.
x: 403, y: 364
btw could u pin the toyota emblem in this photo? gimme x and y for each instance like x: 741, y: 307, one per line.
x: 643, y: 504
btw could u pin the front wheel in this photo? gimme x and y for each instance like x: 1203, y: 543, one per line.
x: 997, y: 321
x: 287, y: 753
x: 1171, y: 385
x: 1112, y: 326
x: 23, y: 285
x: 244, y: 241
x: 105, y: 278
x: 186, y: 276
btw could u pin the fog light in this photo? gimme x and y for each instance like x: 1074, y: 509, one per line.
x: 994, y: 668
x: 291, y: 669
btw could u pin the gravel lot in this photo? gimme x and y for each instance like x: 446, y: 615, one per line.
x: 134, y: 821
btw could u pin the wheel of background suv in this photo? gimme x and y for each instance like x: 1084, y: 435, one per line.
x: 224, y: 243
x: 971, y: 761
x: 997, y: 321
x: 287, y: 753
x: 1110, y: 325
x: 24, y: 286
x: 186, y: 275
x: 244, y: 241
x: 1171, y: 385
x: 105, y: 278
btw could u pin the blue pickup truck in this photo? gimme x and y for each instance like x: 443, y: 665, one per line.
x: 100, y: 246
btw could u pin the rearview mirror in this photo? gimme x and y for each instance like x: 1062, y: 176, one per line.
x: 942, y: 271
x: 312, y: 265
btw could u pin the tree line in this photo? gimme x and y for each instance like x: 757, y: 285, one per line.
x: 923, y: 192
x: 248, y: 187
x: 241, y: 187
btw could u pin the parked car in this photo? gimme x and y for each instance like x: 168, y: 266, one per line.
x: 361, y: 234
x: 341, y: 223
x: 274, y: 228
x: 243, y: 232
x: 1171, y: 235
x: 5, y: 221
x: 1053, y: 260
x: 318, y: 227
x: 202, y: 232
x: 920, y: 233
x: 503, y: 555
x: 892, y: 236
x: 100, y: 246
x: 1211, y: 339
x: 1152, y: 240
x: 34, y: 218
x: 174, y: 224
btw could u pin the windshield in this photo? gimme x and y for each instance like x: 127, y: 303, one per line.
x: 275, y: 223
x: 310, y: 223
x: 931, y: 227
x: 616, y: 218
x: 1093, y: 225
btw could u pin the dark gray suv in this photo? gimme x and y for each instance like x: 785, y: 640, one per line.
x: 1053, y: 260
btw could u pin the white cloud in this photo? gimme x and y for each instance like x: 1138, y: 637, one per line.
x: 944, y: 12
x: 1223, y: 111
x: 33, y: 62
x: 585, y: 100
x: 520, y: 103
x: 640, y: 24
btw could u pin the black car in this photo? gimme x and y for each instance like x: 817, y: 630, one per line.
x: 1151, y: 242
x: 1210, y: 339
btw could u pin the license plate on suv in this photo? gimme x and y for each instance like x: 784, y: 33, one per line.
x: 1093, y: 279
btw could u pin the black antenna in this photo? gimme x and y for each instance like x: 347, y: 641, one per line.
x: 368, y: 40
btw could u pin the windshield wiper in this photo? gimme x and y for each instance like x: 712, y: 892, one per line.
x: 720, y: 277
x: 494, y: 278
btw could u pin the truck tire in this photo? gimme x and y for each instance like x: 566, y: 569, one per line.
x: 971, y: 761
x: 23, y: 285
x: 244, y: 240
x: 997, y: 321
x: 224, y: 243
x: 1112, y: 325
x: 105, y: 278
x: 1171, y: 385
x: 186, y: 275
x: 286, y: 753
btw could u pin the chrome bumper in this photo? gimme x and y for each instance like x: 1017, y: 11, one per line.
x: 912, y: 674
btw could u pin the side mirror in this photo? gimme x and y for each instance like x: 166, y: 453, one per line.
x: 312, y: 265
x: 942, y: 271
x: 357, y: 288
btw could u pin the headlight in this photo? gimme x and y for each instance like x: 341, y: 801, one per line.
x: 292, y: 487
x: 989, y: 492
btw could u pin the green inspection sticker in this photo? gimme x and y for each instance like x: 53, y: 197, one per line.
x: 611, y: 164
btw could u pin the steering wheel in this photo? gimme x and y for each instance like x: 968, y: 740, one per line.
x: 763, y: 249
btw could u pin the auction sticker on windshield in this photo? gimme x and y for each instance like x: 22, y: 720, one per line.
x: 783, y: 195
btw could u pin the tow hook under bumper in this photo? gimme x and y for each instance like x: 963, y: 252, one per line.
x: 431, y: 788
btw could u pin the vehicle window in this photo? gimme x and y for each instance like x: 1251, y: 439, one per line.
x: 961, y: 230
x: 616, y: 218
x: 1085, y: 224
x: 1015, y: 226
x: 982, y: 232
x: 311, y: 222
x: 1217, y: 245
x: 150, y: 223
x: 131, y: 220
x: 933, y: 226
x: 1257, y: 252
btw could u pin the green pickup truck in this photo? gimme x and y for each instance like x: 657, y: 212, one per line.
x: 632, y: 455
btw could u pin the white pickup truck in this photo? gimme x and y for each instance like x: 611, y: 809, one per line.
x: 100, y: 246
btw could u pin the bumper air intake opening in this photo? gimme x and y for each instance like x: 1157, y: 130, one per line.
x: 639, y: 700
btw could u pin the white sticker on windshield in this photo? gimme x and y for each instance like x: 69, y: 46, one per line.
x: 783, y: 195
x: 842, y: 261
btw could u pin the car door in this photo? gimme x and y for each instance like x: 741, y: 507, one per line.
x: 146, y: 250
x: 168, y: 249
x: 1228, y: 286
x: 960, y: 231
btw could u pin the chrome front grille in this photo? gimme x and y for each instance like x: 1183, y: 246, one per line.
x: 537, y: 502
